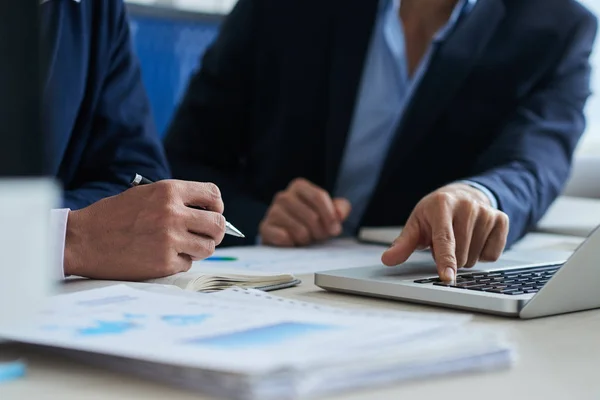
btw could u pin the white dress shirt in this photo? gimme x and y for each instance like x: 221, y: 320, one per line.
x: 59, y: 218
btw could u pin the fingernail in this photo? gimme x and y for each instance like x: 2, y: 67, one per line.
x: 450, y: 276
x: 335, y: 229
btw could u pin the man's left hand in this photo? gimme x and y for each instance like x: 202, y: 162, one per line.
x: 459, y: 225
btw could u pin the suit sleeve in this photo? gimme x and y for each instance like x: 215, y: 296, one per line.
x: 123, y: 138
x: 528, y: 165
x: 211, y: 129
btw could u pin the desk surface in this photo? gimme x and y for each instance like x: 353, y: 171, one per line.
x: 558, y: 357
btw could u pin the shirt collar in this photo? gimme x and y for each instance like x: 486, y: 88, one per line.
x: 463, y: 7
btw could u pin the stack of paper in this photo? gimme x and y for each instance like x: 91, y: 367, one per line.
x: 247, y: 344
x: 208, y: 280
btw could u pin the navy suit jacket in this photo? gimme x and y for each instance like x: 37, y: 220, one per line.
x: 96, y: 116
x: 501, y: 104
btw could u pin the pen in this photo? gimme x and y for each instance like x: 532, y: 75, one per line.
x: 229, y: 229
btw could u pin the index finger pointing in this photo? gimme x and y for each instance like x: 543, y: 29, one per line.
x: 444, y: 245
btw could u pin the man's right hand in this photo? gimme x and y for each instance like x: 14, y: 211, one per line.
x: 303, y: 214
x: 146, y: 232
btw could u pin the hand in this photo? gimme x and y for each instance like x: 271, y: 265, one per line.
x: 303, y: 214
x: 460, y: 226
x: 146, y: 232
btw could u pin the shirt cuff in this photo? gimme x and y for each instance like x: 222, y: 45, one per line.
x: 58, y: 220
x: 488, y: 193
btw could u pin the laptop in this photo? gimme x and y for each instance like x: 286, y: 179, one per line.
x: 515, y: 287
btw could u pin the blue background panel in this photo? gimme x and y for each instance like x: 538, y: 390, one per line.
x: 170, y: 50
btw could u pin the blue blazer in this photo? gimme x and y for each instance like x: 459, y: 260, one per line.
x: 501, y: 104
x: 96, y: 115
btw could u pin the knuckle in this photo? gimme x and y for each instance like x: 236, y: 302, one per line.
x: 220, y: 222
x: 313, y: 220
x: 167, y: 189
x: 170, y: 214
x: 447, y: 259
x: 213, y: 190
x: 283, y: 239
x: 320, y: 195
x: 443, y: 237
x: 303, y: 235
x: 207, y: 247
x: 442, y: 198
x: 298, y: 182
x: 212, y: 193
x: 469, y: 204
x: 502, y: 220
x: 282, y: 197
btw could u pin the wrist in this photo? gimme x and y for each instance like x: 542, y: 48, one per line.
x: 73, y: 259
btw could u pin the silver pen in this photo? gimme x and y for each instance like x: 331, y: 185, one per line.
x: 229, y: 229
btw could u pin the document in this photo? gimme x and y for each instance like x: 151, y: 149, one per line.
x: 336, y: 254
x: 248, y: 344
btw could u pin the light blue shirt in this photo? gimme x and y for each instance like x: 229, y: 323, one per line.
x: 386, y: 89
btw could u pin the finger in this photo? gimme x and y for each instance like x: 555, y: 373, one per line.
x: 402, y: 248
x: 342, y: 208
x: 481, y: 232
x: 206, y: 223
x: 302, y: 212
x: 275, y: 236
x: 320, y: 201
x: 196, y: 246
x: 170, y: 265
x: 183, y: 263
x: 463, y: 225
x: 444, y: 244
x: 496, y: 241
x: 201, y: 195
x: 300, y: 233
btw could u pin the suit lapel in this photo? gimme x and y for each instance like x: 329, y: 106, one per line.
x: 51, y: 23
x: 448, y: 69
x: 353, y: 25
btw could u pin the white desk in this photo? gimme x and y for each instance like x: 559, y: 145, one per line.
x: 559, y: 358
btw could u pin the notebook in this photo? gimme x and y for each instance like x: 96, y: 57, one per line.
x: 209, y: 280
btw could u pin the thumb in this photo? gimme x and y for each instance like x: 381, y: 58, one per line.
x: 404, y: 246
x: 342, y: 208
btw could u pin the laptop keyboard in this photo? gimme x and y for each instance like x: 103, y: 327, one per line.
x: 509, y: 282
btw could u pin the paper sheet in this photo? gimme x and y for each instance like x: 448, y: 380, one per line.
x: 336, y: 254
x: 250, y: 345
x: 241, y: 333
